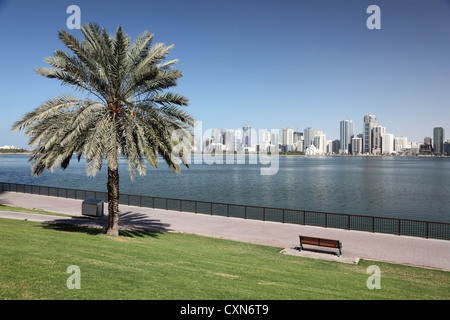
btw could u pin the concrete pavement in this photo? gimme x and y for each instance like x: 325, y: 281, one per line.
x: 357, y: 245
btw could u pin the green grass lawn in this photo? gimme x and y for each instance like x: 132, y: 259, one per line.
x: 34, y: 258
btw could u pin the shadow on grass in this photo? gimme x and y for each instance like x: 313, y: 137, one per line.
x: 131, y: 224
x: 61, y: 226
x: 330, y: 251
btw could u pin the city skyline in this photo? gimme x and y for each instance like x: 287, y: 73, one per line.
x: 375, y: 139
x: 251, y: 138
x: 294, y: 64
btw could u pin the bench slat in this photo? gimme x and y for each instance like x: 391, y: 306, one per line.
x: 329, y: 243
x: 311, y: 241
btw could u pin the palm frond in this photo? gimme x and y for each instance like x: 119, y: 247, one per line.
x: 132, y: 113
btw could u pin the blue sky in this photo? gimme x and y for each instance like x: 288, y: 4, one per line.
x: 268, y: 64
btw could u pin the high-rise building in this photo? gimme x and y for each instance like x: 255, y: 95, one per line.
x: 400, y: 144
x: 447, y: 147
x: 370, y: 121
x: 298, y: 146
x: 298, y: 136
x: 264, y: 140
x: 320, y: 142
x: 230, y: 140
x: 264, y: 135
x: 275, y: 140
x: 377, y: 139
x: 426, y: 148
x: 346, y: 134
x: 387, y: 143
x: 335, y: 146
x: 308, y: 137
x: 238, y: 143
x: 288, y: 139
x: 216, y: 135
x: 357, y: 145
x: 438, y: 141
x: 247, y: 136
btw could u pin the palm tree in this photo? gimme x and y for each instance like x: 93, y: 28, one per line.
x: 126, y: 110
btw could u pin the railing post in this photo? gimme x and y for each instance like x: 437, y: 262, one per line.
x: 283, y: 217
x: 326, y: 216
x: 228, y: 210
x: 373, y: 224
x: 264, y: 213
x: 427, y: 230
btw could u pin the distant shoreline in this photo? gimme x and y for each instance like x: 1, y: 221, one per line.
x: 325, y: 155
x: 28, y: 152
x: 296, y: 155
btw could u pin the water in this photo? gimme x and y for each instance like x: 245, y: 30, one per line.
x: 398, y: 187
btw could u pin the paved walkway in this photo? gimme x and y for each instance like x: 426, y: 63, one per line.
x: 356, y: 244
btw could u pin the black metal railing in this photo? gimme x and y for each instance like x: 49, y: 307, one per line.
x: 416, y: 228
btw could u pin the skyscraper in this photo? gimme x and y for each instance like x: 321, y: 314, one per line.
x: 400, y: 144
x: 246, y: 136
x: 298, y: 136
x: 308, y: 137
x: 336, y: 146
x: 264, y: 140
x: 346, y: 134
x: 320, y: 142
x: 229, y: 140
x: 370, y: 121
x: 288, y: 138
x: 387, y: 143
x: 377, y: 139
x: 275, y: 140
x: 438, y: 141
x: 264, y: 135
x: 356, y: 146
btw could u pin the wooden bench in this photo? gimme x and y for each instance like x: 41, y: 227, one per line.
x: 320, y: 242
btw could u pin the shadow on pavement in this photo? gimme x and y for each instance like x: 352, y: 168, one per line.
x: 131, y: 224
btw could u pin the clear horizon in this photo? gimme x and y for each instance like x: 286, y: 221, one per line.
x: 267, y: 64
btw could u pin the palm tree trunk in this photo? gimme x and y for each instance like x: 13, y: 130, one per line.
x: 113, y: 202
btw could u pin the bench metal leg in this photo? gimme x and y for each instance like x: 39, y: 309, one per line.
x: 301, y: 246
